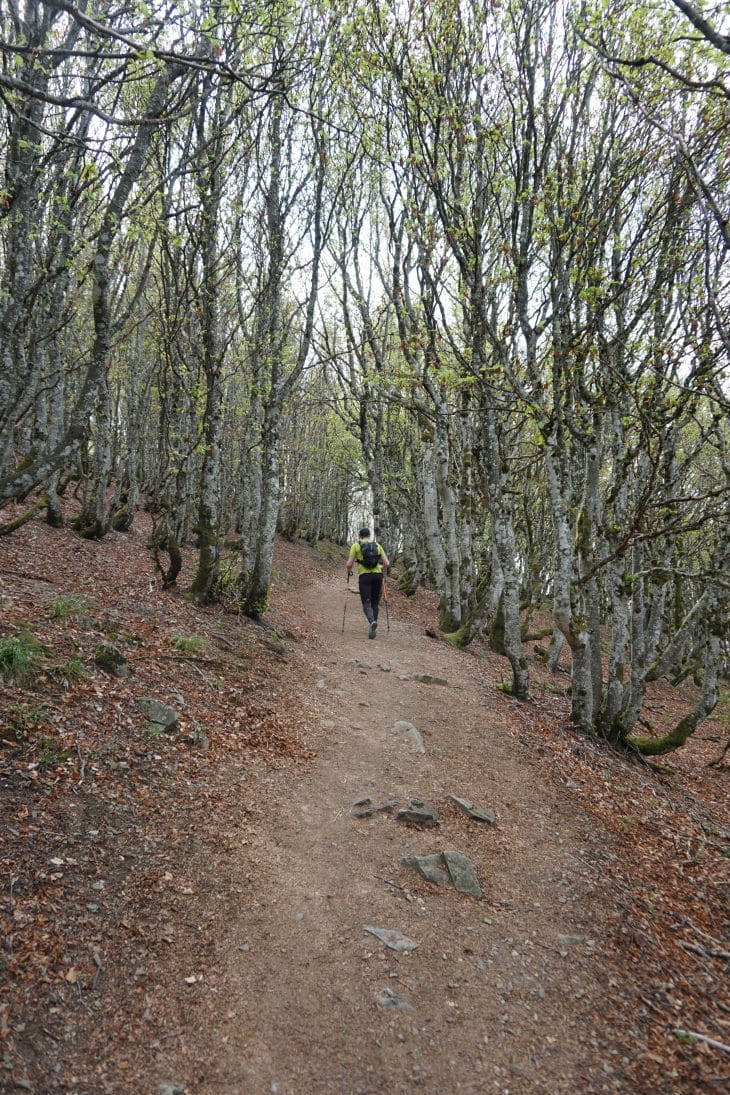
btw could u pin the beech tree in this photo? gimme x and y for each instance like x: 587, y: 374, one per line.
x: 467, y: 268
x: 39, y: 107
x: 281, y: 339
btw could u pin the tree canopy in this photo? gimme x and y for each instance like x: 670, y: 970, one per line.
x: 466, y: 267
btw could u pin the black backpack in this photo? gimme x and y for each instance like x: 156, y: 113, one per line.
x: 370, y: 554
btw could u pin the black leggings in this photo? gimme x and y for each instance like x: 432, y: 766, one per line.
x: 371, y: 587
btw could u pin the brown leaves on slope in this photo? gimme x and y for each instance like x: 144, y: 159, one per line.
x: 109, y: 827
x: 102, y: 816
x: 671, y: 881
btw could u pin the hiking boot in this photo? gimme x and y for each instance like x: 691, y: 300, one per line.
x: 372, y: 629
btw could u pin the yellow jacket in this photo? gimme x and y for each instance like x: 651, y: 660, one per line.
x: 356, y: 555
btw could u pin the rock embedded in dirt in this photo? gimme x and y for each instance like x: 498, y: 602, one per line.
x: 160, y: 714
x: 426, y: 678
x: 411, y: 734
x: 459, y: 870
x: 476, y: 813
x: 198, y: 738
x: 388, y: 999
x: 462, y: 873
x: 366, y: 807
x: 392, y: 938
x: 387, y: 806
x: 430, y: 867
x: 418, y: 813
x: 111, y: 659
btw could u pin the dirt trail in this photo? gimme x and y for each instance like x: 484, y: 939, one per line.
x: 510, y: 993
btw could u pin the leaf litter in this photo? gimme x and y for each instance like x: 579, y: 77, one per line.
x: 117, y: 843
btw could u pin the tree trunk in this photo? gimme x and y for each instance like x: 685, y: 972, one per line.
x: 255, y: 600
x: 209, y: 509
x: 18, y: 484
x: 684, y: 729
x: 506, y: 550
x: 566, y: 606
x: 94, y: 521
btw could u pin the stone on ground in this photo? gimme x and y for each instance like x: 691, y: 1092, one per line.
x: 160, y: 714
x: 391, y: 938
x: 412, y: 736
x: 430, y: 867
x: 389, y: 1000
x: 476, y: 813
x: 462, y: 873
x: 419, y: 813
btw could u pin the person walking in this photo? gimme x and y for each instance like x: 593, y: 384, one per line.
x: 370, y: 559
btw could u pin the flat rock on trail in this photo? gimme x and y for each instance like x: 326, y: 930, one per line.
x: 508, y: 993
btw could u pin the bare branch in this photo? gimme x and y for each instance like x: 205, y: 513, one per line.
x: 719, y: 41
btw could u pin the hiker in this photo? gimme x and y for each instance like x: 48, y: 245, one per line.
x: 370, y: 559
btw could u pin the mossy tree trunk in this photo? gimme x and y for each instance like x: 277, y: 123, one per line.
x: 209, y: 140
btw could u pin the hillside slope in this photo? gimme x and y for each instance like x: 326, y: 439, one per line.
x: 185, y: 911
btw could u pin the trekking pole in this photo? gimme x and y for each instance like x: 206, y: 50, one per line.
x: 344, y: 610
x: 385, y: 601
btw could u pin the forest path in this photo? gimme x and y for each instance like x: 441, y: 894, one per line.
x: 502, y: 994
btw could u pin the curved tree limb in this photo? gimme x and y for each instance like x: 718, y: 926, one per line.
x: 719, y: 41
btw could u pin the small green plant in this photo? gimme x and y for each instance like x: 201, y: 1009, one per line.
x: 258, y: 609
x: 225, y: 587
x: 51, y: 753
x: 73, y: 669
x: 653, y: 902
x: 68, y: 607
x: 69, y: 672
x: 22, y: 720
x: 554, y: 689
x: 21, y: 657
x: 188, y: 644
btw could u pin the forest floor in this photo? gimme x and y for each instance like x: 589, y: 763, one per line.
x: 188, y: 911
